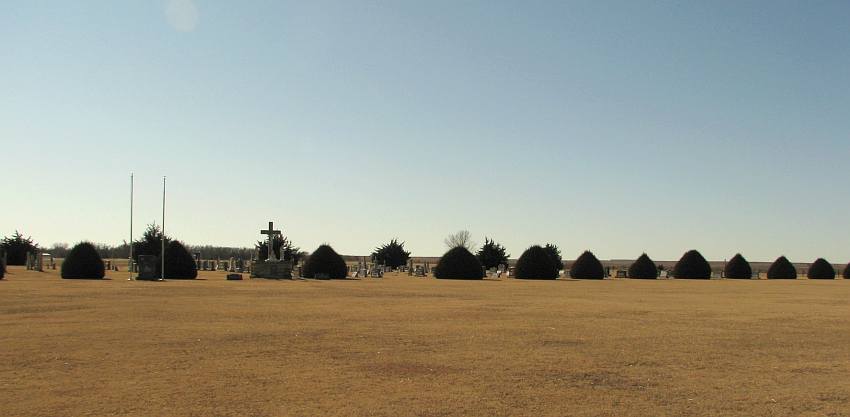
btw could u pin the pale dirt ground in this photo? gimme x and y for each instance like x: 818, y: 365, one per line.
x: 404, y: 346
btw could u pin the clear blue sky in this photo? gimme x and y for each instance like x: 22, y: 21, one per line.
x: 619, y: 127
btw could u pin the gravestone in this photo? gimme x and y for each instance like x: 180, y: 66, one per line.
x: 147, y: 268
x: 272, y: 268
x: 361, y: 270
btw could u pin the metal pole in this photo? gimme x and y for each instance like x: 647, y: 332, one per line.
x: 130, y: 257
x: 162, y: 254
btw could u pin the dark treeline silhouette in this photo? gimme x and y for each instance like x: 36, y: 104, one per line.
x: 122, y: 251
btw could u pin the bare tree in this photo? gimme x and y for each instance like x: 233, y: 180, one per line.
x: 462, y: 239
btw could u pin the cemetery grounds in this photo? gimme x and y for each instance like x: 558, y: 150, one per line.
x: 405, y: 346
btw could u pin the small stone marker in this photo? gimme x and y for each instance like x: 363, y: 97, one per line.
x: 234, y: 277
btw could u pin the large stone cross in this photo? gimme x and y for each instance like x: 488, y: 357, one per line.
x: 271, y: 232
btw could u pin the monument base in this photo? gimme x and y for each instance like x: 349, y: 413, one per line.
x: 272, y: 270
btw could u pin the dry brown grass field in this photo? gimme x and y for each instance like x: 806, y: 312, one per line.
x: 403, y: 346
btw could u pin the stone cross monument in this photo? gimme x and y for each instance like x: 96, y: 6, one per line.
x: 271, y: 268
x: 272, y: 233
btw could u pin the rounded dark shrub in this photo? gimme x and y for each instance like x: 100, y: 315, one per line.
x: 459, y: 263
x: 847, y: 272
x: 781, y: 268
x: 692, y: 265
x: 2, y: 266
x: 179, y: 263
x: 643, y: 268
x: 83, y: 262
x: 738, y: 268
x: 536, y: 263
x: 587, y: 267
x: 325, y: 263
x: 821, y: 269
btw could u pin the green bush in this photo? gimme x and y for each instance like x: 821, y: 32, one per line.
x: 391, y: 254
x: 324, y: 261
x: 738, y: 268
x: 587, y: 267
x: 692, y: 265
x: 283, y: 249
x: 83, y: 262
x: 821, y: 269
x: 555, y: 254
x: 492, y: 254
x: 17, y: 247
x: 536, y: 263
x: 643, y: 268
x: 151, y: 243
x: 179, y: 263
x: 781, y: 268
x: 847, y: 272
x: 459, y: 263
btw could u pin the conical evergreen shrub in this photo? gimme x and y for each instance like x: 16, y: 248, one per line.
x: 738, y: 268
x: 536, y: 263
x: 847, y: 272
x: 643, y: 268
x: 692, y: 265
x: 83, y: 262
x: 782, y: 268
x: 459, y: 263
x: 587, y: 267
x: 179, y: 263
x: 325, y: 262
x: 821, y: 269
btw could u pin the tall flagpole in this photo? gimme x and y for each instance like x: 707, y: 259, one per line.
x: 162, y: 255
x: 130, y: 257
